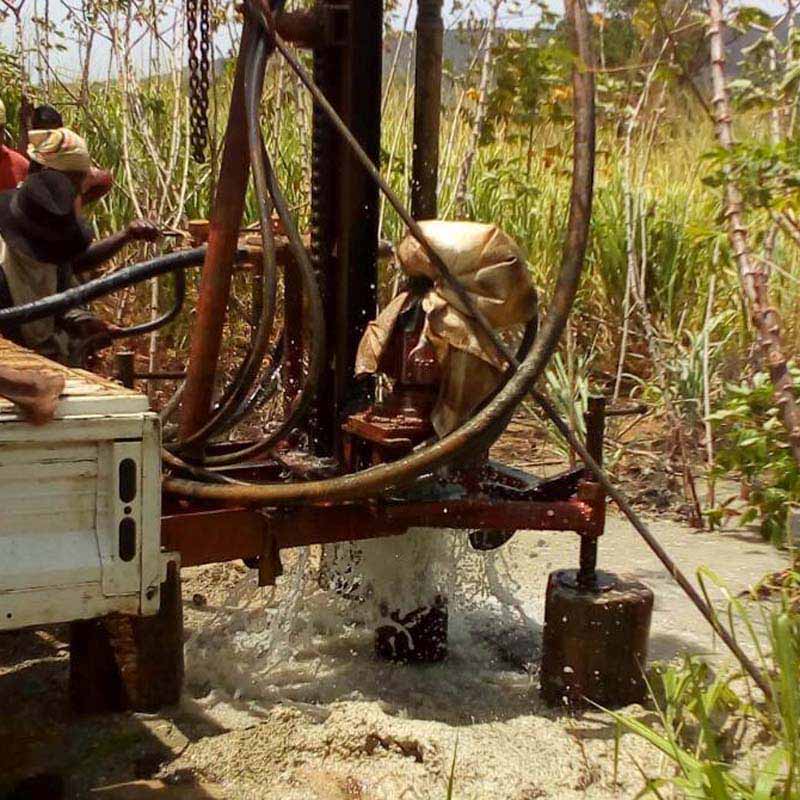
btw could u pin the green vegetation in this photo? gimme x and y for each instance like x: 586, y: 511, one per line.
x: 707, y: 721
x: 753, y: 445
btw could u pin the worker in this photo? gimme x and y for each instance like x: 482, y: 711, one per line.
x: 64, y: 150
x: 13, y: 165
x: 44, y: 240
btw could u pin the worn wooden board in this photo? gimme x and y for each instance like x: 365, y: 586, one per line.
x: 84, y: 393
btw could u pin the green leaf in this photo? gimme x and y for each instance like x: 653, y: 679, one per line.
x: 768, y: 774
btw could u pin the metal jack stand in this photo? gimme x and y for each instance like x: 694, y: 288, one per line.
x: 596, y: 624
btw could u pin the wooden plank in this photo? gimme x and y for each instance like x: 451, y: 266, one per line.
x: 84, y: 393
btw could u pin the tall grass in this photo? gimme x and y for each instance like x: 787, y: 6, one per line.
x: 525, y: 189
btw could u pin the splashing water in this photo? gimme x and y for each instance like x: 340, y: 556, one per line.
x: 309, y: 640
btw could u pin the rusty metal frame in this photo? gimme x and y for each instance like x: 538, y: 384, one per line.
x: 226, y: 534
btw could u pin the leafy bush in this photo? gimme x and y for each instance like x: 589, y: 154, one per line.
x: 754, y: 444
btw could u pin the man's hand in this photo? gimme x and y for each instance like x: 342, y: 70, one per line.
x: 143, y: 230
x: 93, y: 326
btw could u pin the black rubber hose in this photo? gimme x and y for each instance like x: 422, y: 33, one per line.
x: 266, y: 182
x: 239, y: 389
x: 379, y: 479
x: 316, y: 335
x: 102, y: 340
x: 266, y: 387
x: 56, y: 304
x: 163, y: 319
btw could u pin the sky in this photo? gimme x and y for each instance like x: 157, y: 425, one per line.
x: 67, y: 61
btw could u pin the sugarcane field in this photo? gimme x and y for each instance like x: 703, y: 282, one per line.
x: 399, y: 399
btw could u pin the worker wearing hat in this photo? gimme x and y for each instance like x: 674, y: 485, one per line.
x: 44, y: 240
x: 64, y: 150
x: 13, y: 166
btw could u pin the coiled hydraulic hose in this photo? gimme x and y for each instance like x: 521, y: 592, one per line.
x: 267, y: 186
x: 379, y: 479
x: 56, y: 304
x: 239, y: 389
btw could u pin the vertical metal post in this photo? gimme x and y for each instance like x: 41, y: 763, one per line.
x: 325, y: 163
x: 427, y: 109
x: 595, y: 419
x: 215, y: 282
x: 124, y: 368
x: 359, y: 199
x: 344, y: 205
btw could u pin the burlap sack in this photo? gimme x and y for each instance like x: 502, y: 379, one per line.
x: 492, y: 268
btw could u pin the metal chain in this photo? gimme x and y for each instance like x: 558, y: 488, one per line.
x: 205, y: 67
x: 198, y: 76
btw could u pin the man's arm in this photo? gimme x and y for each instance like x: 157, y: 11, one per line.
x: 80, y: 322
x: 140, y: 230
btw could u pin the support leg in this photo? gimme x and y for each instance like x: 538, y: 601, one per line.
x: 122, y: 663
x: 595, y: 643
x: 597, y: 624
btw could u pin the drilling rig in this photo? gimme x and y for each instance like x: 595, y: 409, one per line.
x: 346, y: 462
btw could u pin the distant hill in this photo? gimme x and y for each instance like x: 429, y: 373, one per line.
x: 737, y: 43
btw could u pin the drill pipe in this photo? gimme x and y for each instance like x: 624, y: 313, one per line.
x: 255, y: 61
x: 215, y: 281
x: 266, y: 183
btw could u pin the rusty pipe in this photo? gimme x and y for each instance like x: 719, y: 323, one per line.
x: 215, y: 282
x: 255, y: 59
x: 267, y: 188
x: 427, y: 109
x: 303, y: 27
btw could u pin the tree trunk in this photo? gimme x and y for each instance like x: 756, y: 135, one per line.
x: 753, y: 277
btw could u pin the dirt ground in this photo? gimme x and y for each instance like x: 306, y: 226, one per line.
x: 340, y: 724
